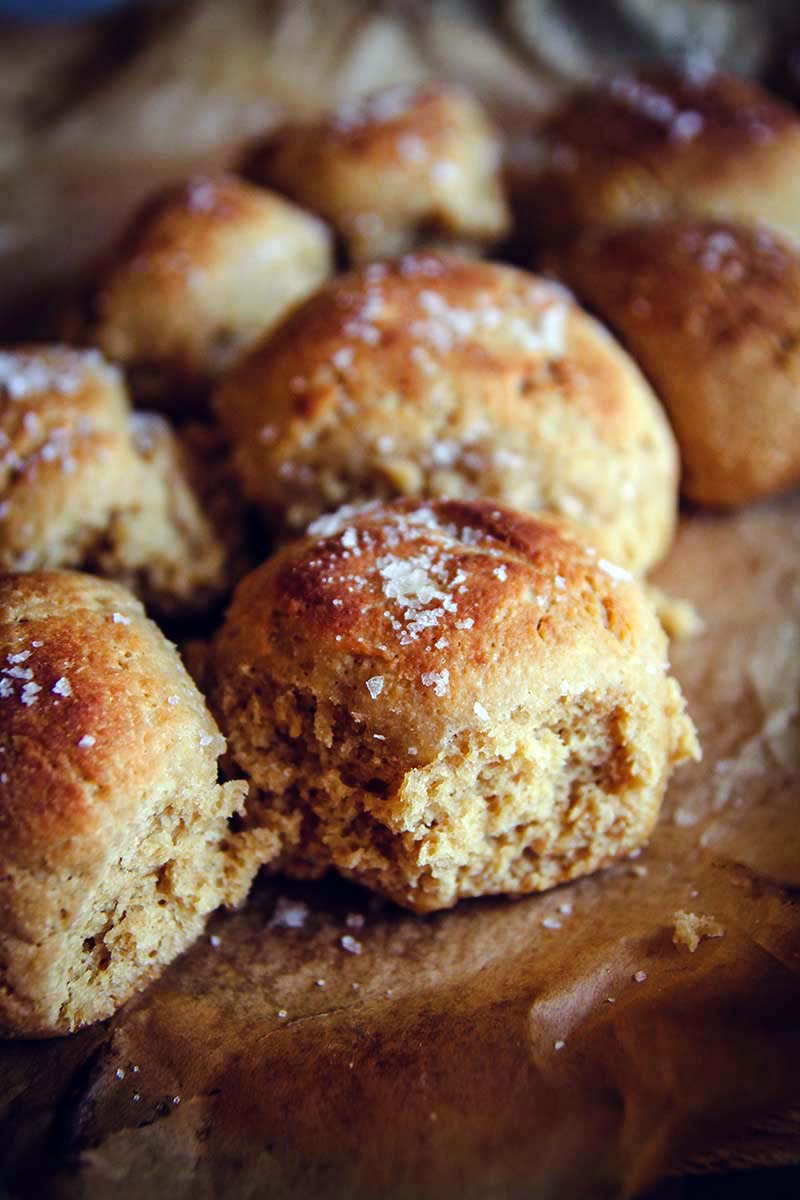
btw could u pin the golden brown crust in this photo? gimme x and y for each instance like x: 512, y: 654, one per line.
x: 657, y: 141
x: 435, y: 376
x: 711, y: 311
x: 206, y: 270
x: 367, y: 669
x: 396, y: 168
x: 83, y: 482
x: 114, y: 838
x: 110, y: 724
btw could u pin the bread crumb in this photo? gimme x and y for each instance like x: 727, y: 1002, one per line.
x: 691, y: 928
x: 288, y: 914
x: 679, y: 618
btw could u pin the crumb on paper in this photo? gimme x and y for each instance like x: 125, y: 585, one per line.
x: 691, y: 928
x: 288, y: 914
x: 679, y: 618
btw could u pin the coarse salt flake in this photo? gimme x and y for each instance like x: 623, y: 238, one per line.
x: 289, y: 914
x: 62, y: 687
x: 438, y: 680
x: 480, y: 711
x: 350, y: 944
x: 29, y: 693
x: 617, y: 573
x: 375, y: 686
x: 87, y: 741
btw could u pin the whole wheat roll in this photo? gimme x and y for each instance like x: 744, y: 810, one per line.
x: 400, y: 167
x: 205, y: 270
x: 711, y: 312
x: 435, y: 376
x: 660, y: 141
x: 447, y: 699
x: 86, y: 483
x: 114, y: 832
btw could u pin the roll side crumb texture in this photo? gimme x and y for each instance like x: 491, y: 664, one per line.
x: 114, y: 838
x: 85, y: 483
x: 436, y: 376
x: 447, y: 700
x: 720, y: 341
x: 394, y: 169
x: 205, y: 272
x: 657, y: 142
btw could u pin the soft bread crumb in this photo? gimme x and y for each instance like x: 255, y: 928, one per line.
x: 691, y: 928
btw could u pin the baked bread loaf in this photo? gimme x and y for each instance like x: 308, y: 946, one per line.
x: 114, y: 832
x: 85, y: 483
x: 656, y: 142
x: 446, y: 700
x: 438, y: 376
x: 711, y: 312
x: 394, y: 169
x: 206, y: 270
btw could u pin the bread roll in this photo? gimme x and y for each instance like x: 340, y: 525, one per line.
x: 655, y: 142
x: 711, y: 312
x: 448, y: 699
x: 435, y: 376
x: 84, y: 483
x: 402, y: 166
x: 206, y: 270
x: 114, y: 833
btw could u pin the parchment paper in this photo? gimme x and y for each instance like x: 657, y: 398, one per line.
x: 426, y: 1065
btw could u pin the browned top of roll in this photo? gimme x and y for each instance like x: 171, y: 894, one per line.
x: 96, y: 709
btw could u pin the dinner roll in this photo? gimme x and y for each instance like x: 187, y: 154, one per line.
x: 399, y: 167
x: 711, y: 312
x: 204, y: 273
x: 448, y: 699
x: 436, y: 376
x: 656, y: 142
x: 114, y: 833
x: 84, y: 483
